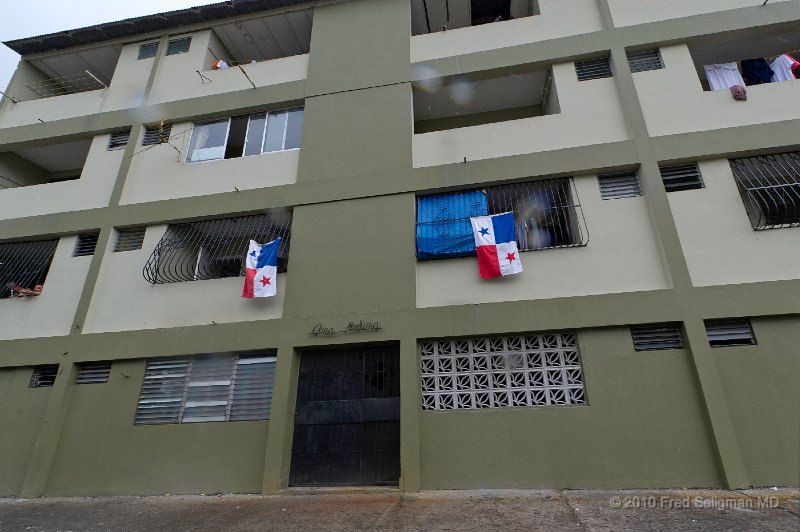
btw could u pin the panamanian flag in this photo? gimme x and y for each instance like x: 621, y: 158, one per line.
x: 261, y: 269
x: 496, y: 245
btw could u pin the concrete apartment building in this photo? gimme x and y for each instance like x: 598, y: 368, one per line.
x: 653, y: 339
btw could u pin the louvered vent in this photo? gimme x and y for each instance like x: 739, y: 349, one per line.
x: 146, y: 51
x: 681, y: 177
x: 645, y: 60
x: 93, y: 373
x: 178, y: 46
x: 252, y: 387
x: 162, y: 391
x: 656, y: 336
x: 118, y: 140
x: 85, y: 244
x: 619, y: 185
x: 130, y: 239
x: 156, y: 135
x: 722, y: 333
x: 44, y: 376
x: 593, y: 69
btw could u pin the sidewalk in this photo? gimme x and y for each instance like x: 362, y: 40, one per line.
x: 765, y: 509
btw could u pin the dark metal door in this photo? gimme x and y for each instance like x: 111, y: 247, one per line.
x: 347, y: 421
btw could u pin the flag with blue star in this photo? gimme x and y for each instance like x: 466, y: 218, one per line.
x: 261, y: 269
x: 496, y: 245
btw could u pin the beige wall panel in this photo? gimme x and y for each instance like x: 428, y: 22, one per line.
x: 51, y: 313
x: 622, y: 256
x: 630, y: 12
x: 558, y: 18
x: 129, y: 81
x: 92, y: 190
x: 591, y: 113
x: 53, y: 108
x: 123, y: 300
x: 674, y: 102
x: 718, y: 241
x: 162, y: 173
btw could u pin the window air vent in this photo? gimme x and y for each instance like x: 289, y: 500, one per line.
x: 118, y: 140
x: 156, y: 135
x: 619, y: 185
x: 178, y: 46
x: 645, y: 60
x: 146, y: 51
x: 86, y: 244
x: 129, y: 239
x: 93, y: 373
x: 656, y: 336
x: 44, y: 376
x: 681, y: 177
x: 593, y: 69
x: 722, y: 333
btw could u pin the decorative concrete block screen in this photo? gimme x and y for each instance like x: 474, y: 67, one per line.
x: 498, y: 372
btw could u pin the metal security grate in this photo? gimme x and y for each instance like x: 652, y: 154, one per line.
x: 86, y: 244
x: 501, y: 372
x: 681, y: 177
x: 593, y: 69
x: 619, y: 185
x: 130, y: 238
x: 44, y: 376
x: 645, y: 60
x: 770, y: 189
x: 207, y: 388
x: 214, y: 249
x: 724, y: 333
x: 146, y: 51
x: 93, y: 373
x: 178, y: 46
x: 156, y: 135
x: 118, y: 140
x: 24, y: 267
x: 656, y: 336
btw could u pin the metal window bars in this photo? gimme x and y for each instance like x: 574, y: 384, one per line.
x: 24, y: 267
x: 82, y: 82
x: 770, y: 189
x: 213, y: 249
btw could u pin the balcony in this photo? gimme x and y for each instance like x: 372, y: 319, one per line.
x: 632, y: 12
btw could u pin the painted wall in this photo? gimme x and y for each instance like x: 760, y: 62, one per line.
x: 558, y: 18
x: 53, y: 108
x: 169, y: 305
x: 22, y: 408
x: 630, y: 12
x: 101, y: 451
x: 51, y: 313
x: 17, y: 171
x: 130, y: 79
x: 621, y: 256
x: 673, y: 101
x: 718, y: 240
x: 590, y: 114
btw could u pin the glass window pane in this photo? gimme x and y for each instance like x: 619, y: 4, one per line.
x: 208, y: 141
x: 276, y: 125
x: 255, y: 134
x: 294, y: 129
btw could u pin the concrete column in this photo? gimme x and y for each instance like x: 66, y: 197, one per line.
x: 281, y: 423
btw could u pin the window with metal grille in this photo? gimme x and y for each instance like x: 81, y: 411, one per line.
x: 93, y: 373
x: 656, y: 336
x: 724, y: 333
x: 213, y: 249
x: 178, y: 46
x: 645, y: 60
x: 536, y: 370
x: 156, y: 135
x: 770, y: 189
x: 44, y: 375
x: 206, y: 388
x: 547, y: 214
x: 681, y: 177
x: 619, y: 185
x: 85, y: 244
x: 148, y: 50
x: 593, y: 69
x: 24, y: 267
x: 118, y: 140
x: 130, y: 238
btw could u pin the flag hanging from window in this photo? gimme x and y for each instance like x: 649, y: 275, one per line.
x: 261, y: 269
x: 496, y: 245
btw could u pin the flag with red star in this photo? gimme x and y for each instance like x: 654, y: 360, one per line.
x: 261, y: 267
x: 496, y: 245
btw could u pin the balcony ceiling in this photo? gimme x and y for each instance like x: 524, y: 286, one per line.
x: 265, y: 38
x: 101, y: 62
x: 58, y: 157
x: 433, y: 15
